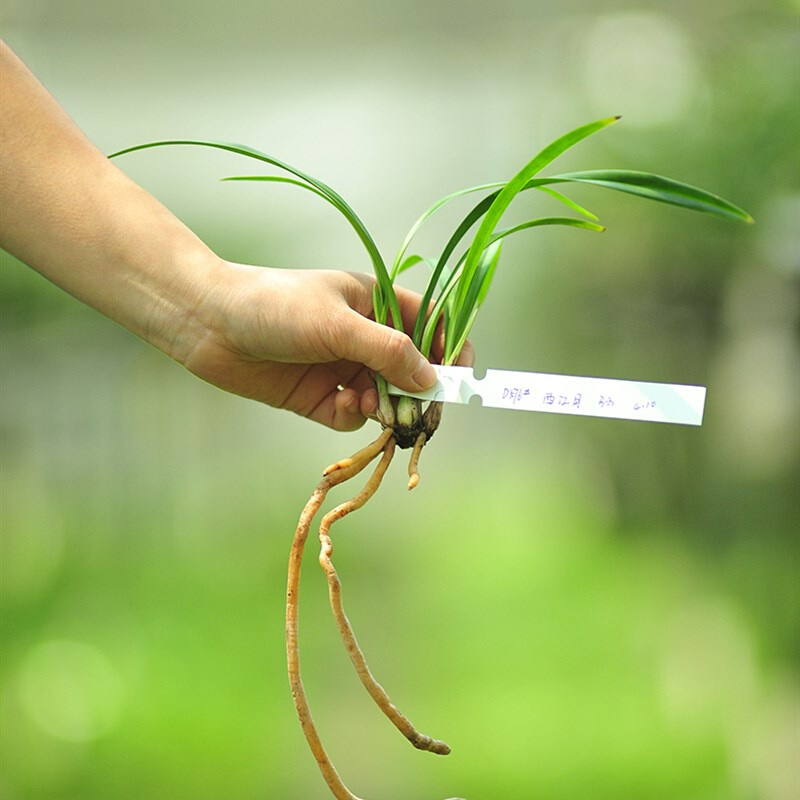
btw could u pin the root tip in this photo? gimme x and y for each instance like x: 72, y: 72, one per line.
x: 337, y: 465
x: 413, y: 463
x: 431, y: 745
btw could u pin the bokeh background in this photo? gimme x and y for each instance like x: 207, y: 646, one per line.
x: 583, y: 608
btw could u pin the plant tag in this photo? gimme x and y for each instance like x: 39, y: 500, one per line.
x: 568, y: 394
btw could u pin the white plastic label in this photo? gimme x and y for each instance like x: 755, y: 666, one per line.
x: 568, y: 394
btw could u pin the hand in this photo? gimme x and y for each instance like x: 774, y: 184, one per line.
x: 287, y: 338
x: 304, y: 341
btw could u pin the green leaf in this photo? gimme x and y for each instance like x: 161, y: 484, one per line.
x: 386, y: 295
x: 427, y: 214
x: 657, y: 187
x: 493, y: 257
x: 569, y: 222
x: 412, y: 261
x: 456, y: 332
x: 502, y: 201
x: 474, y: 215
x: 461, y: 290
x: 479, y: 288
x: 566, y: 201
x: 438, y: 273
x: 277, y: 179
x: 449, y: 280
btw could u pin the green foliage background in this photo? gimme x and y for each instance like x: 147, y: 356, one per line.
x: 582, y: 608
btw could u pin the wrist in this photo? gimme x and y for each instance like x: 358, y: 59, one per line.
x: 153, y: 274
x: 185, y: 306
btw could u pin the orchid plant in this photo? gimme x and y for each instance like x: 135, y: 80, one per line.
x: 460, y: 277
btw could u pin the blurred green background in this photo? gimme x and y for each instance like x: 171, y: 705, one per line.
x: 583, y: 608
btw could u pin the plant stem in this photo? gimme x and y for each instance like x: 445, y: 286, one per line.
x: 408, y: 411
x: 386, y: 415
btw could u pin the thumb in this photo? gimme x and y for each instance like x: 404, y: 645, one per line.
x: 388, y: 352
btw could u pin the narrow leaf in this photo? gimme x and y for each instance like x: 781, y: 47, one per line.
x: 412, y: 261
x: 477, y: 212
x: 449, y: 280
x: 428, y: 213
x: 483, y: 276
x: 569, y: 222
x: 567, y: 202
x: 657, y: 187
x: 493, y: 252
x: 279, y: 179
x: 510, y: 191
x: 386, y: 291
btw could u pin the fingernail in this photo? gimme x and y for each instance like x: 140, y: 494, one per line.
x: 425, y: 375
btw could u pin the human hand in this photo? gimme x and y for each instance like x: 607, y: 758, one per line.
x: 287, y: 338
x: 303, y: 340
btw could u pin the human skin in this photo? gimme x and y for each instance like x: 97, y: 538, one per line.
x: 300, y: 340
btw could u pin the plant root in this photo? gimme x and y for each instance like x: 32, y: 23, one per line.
x: 375, y: 690
x: 357, y: 463
x: 430, y: 422
x: 335, y: 474
x: 413, y: 462
x: 369, y: 452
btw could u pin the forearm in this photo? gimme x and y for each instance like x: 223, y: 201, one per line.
x: 78, y: 220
